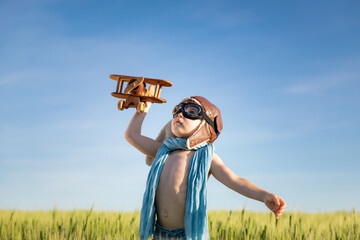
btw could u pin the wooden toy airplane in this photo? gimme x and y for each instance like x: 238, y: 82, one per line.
x: 136, y: 94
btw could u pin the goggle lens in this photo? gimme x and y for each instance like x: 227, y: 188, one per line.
x: 189, y: 110
x: 192, y: 109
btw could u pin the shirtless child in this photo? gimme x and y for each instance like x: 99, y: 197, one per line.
x: 174, y: 204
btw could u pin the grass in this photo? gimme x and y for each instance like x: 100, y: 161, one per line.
x: 89, y: 224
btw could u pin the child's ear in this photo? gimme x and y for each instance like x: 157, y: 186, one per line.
x: 164, y: 134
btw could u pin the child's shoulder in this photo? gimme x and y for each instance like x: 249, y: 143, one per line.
x: 216, y: 158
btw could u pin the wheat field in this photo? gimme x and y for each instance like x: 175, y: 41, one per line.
x: 89, y: 224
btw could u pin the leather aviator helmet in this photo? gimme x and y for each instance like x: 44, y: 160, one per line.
x: 211, y: 125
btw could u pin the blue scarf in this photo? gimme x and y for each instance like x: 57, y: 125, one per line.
x: 195, y: 222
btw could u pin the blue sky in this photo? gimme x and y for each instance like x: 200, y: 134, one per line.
x: 284, y: 74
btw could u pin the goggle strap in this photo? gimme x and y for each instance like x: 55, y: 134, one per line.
x: 209, y: 121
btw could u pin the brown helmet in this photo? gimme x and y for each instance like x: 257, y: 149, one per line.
x: 208, y: 131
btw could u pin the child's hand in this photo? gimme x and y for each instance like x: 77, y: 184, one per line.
x: 275, y: 204
x: 147, y: 107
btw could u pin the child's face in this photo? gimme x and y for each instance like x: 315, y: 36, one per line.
x: 184, y: 127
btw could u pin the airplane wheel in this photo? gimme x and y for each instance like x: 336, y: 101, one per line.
x: 121, y: 105
x: 140, y: 107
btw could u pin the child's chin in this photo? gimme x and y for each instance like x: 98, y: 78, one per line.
x: 175, y: 131
x: 180, y: 135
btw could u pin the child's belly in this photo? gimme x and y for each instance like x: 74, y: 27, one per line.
x: 171, y: 193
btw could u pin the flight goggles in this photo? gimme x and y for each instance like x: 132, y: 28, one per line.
x: 194, y: 111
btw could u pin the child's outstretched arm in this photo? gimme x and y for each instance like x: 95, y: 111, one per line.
x: 243, y: 186
x: 144, y: 144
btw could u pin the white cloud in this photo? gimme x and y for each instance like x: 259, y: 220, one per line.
x: 318, y: 84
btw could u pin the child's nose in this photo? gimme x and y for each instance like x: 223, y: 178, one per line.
x: 178, y: 115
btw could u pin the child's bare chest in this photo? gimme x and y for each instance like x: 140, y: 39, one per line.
x: 171, y: 193
x: 176, y: 168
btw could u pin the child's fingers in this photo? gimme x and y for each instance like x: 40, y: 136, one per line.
x: 277, y: 202
x: 281, y: 208
x: 147, y: 106
x: 282, y: 204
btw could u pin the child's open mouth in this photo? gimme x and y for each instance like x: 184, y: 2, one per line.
x: 178, y: 122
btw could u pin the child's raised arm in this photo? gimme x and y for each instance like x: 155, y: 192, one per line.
x: 146, y: 145
x: 243, y: 186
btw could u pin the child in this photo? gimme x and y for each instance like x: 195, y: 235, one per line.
x: 177, y: 182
